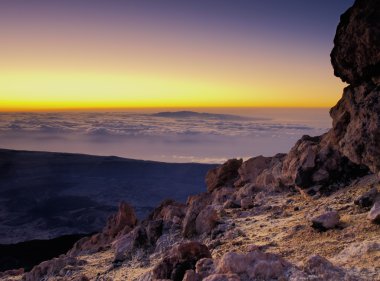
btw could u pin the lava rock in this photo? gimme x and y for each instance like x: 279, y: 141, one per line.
x: 224, y: 175
x: 326, y: 221
x: 374, y: 213
x: 179, y: 259
x: 367, y: 199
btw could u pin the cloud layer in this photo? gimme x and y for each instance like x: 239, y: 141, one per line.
x: 174, y: 137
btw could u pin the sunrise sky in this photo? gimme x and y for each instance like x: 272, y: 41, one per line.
x: 138, y: 54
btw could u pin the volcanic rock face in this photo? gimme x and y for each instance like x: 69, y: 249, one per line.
x: 356, y: 60
x: 224, y: 175
x: 356, y: 53
x: 356, y: 124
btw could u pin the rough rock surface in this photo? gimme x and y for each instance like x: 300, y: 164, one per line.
x: 356, y: 60
x: 127, y: 244
x: 255, y: 265
x: 322, y: 269
x: 368, y: 199
x: 118, y: 224
x: 195, y: 204
x: 269, y: 238
x: 260, y: 171
x: 54, y: 267
x: 224, y: 175
x: 326, y: 221
x: 374, y: 213
x: 356, y: 53
x: 207, y: 219
x: 181, y: 258
x: 313, y: 162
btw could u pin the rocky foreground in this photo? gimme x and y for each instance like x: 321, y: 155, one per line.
x: 311, y: 214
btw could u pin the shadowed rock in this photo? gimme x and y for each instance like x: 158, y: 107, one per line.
x: 118, y: 224
x: 356, y: 53
x: 326, y: 221
x: 178, y: 260
x: 374, y: 213
x: 356, y: 60
x: 224, y: 175
x: 368, y: 198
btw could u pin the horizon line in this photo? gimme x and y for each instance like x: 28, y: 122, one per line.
x: 178, y: 108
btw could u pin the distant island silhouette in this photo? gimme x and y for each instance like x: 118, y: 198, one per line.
x: 204, y: 115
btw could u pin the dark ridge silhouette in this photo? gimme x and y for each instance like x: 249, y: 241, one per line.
x: 28, y: 254
x: 45, y: 195
x: 204, y: 115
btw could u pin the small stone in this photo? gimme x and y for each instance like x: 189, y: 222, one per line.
x: 247, y: 203
x: 326, y: 221
x: 367, y: 199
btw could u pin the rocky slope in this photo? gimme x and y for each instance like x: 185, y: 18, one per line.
x: 312, y: 214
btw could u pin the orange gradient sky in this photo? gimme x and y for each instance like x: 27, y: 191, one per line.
x: 69, y: 59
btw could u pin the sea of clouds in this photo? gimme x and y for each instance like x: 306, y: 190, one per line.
x: 167, y: 136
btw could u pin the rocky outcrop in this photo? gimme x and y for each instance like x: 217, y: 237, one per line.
x: 207, y: 219
x: 195, y: 205
x: 356, y: 53
x: 261, y: 171
x: 356, y: 60
x: 126, y: 245
x: 224, y: 175
x: 118, y: 224
x: 356, y: 124
x: 314, y: 163
x: 178, y: 260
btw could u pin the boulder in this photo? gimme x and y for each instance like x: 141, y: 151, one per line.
x: 124, y: 220
x: 374, y: 213
x: 126, y: 245
x: 324, y: 270
x: 255, y: 265
x: 260, y: 171
x: 168, y: 211
x: 222, y: 195
x: 367, y: 199
x: 326, y: 221
x: 314, y: 162
x: 195, y: 204
x: 190, y: 275
x: 207, y: 219
x: 179, y: 259
x: 205, y: 267
x: 154, y: 230
x: 247, y: 191
x: 224, y: 175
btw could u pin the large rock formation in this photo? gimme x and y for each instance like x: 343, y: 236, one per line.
x: 351, y: 147
x: 356, y: 53
x: 356, y: 60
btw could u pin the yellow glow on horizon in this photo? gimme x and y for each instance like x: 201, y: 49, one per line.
x: 44, y: 91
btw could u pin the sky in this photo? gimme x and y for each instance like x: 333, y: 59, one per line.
x: 87, y: 54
